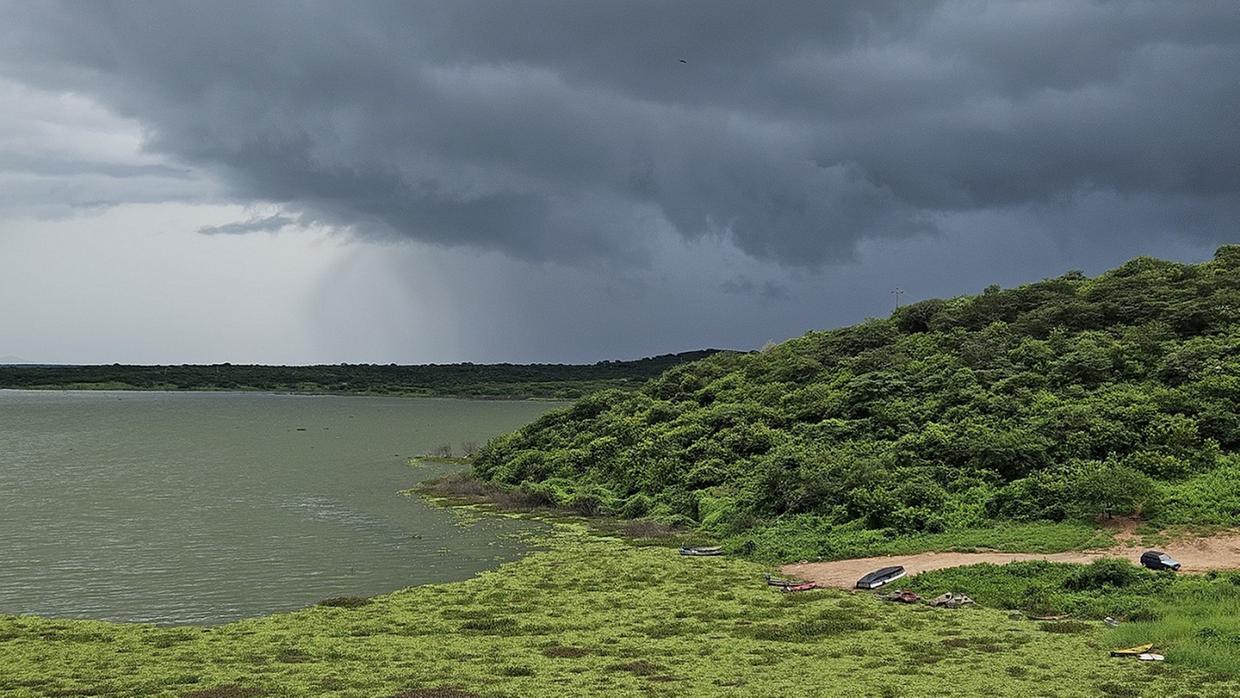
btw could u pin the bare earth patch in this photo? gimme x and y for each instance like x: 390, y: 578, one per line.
x: 1220, y: 552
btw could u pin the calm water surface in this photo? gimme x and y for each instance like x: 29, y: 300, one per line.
x: 208, y: 507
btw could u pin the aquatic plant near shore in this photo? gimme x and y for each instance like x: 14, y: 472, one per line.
x: 587, y: 615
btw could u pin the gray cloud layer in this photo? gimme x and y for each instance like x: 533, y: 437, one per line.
x: 572, y: 131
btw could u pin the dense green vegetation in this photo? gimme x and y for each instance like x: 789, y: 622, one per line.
x: 1010, y: 420
x: 558, y: 381
x: 1198, y: 616
x: 590, y: 615
x: 1058, y: 402
x: 813, y: 537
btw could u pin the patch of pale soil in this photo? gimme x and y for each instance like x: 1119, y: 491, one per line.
x: 1124, y: 529
x: 1220, y: 552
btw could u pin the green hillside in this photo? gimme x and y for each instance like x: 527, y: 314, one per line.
x: 1049, y: 404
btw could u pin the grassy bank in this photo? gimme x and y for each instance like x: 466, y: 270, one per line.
x: 589, y: 615
x: 812, y: 538
x: 1194, y: 619
x: 804, y: 537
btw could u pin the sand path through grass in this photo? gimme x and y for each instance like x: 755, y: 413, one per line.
x: 1220, y: 552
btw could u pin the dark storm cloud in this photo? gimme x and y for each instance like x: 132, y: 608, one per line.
x: 766, y: 290
x: 574, y: 131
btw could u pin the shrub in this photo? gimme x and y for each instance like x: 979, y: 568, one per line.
x: 492, y: 625
x: 636, y: 506
x: 345, y: 602
x: 1099, y: 574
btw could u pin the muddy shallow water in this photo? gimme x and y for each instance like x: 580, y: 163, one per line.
x: 208, y: 507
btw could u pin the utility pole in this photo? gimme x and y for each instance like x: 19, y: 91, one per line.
x: 897, y: 292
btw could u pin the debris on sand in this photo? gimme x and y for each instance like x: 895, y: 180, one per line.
x: 951, y: 600
x: 1133, y: 651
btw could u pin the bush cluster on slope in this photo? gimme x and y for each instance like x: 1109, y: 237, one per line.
x: 1064, y: 399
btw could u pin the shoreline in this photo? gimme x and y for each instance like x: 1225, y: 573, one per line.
x: 586, y: 609
x: 284, y: 393
x: 583, y: 614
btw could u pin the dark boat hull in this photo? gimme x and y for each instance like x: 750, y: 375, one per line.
x: 777, y: 582
x: 701, y: 552
x: 880, y: 577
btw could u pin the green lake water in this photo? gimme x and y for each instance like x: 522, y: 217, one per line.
x: 208, y: 507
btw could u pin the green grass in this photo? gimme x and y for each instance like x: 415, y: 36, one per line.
x: 1212, y: 496
x: 1199, y: 626
x: 812, y: 538
x: 1046, y: 588
x: 1194, y: 620
x: 592, y: 615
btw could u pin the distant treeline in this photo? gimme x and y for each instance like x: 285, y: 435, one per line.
x: 470, y: 380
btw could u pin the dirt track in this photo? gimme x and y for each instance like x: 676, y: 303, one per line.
x: 1195, y: 554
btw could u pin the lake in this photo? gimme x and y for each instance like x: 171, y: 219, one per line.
x: 209, y: 507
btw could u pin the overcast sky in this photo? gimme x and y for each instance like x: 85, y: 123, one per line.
x: 573, y: 181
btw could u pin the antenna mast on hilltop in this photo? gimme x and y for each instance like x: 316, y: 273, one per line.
x: 897, y: 292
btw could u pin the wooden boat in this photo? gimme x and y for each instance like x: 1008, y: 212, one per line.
x: 881, y: 576
x: 699, y: 551
x: 799, y: 587
x: 1132, y: 651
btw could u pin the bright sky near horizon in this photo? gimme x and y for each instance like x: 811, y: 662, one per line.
x: 483, y: 181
